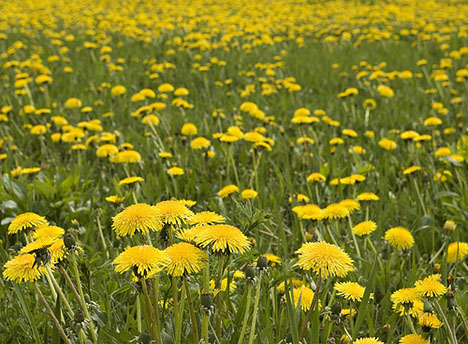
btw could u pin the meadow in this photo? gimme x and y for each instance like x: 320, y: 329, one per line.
x: 234, y: 171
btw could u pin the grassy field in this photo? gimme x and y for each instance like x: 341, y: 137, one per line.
x: 234, y: 171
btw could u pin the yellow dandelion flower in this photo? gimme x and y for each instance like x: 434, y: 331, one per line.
x: 38, y: 244
x: 130, y: 180
x: 457, y: 251
x: 184, y: 259
x: 368, y: 340
x: 206, y: 218
x: 227, y: 190
x: 249, y: 194
x: 26, y: 221
x: 430, y: 286
x: 367, y: 196
x: 387, y: 144
x: 399, y: 237
x: 305, y: 295
x: 223, y: 238
x: 309, y: 212
x: 57, y: 251
x: 200, y: 143
x: 350, y: 290
x: 412, y: 169
x: 137, y: 218
x: 429, y: 320
x: 385, y: 91
x: 173, y: 212
x: 23, y: 268
x: 175, y: 171
x: 364, y: 228
x: 405, y: 296
x: 324, y: 259
x: 142, y: 260
x: 48, y: 231
x: 128, y: 156
x: 224, y: 284
x: 335, y: 211
x: 413, y: 339
x: 350, y: 204
x: 114, y: 199
x: 316, y: 177
x: 189, y: 129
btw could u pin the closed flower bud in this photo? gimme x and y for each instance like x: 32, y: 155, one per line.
x: 144, y: 337
x: 427, y: 307
x: 207, y: 302
x: 262, y: 263
x: 336, y: 308
x: 250, y: 273
x: 79, y: 316
x: 69, y: 241
x: 450, y: 226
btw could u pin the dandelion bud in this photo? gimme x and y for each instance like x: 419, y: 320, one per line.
x: 207, y: 302
x: 79, y: 316
x: 336, y: 308
x: 427, y: 307
x: 144, y: 337
x: 345, y: 339
x: 262, y: 263
x: 436, y: 268
x: 69, y: 241
x: 250, y: 273
x: 449, y: 226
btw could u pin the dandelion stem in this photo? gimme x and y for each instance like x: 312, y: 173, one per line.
x: 52, y: 315
x: 358, y: 251
x: 82, y: 298
x: 192, y: 312
x: 157, y: 321
x: 419, y: 196
x: 149, y: 309
x: 101, y: 235
x: 219, y: 302
x: 246, y: 314
x: 206, y: 289
x: 410, y: 323
x: 312, y: 308
x: 70, y: 283
x: 175, y: 309
x: 254, y: 316
x: 60, y: 292
x: 138, y: 315
x: 453, y: 337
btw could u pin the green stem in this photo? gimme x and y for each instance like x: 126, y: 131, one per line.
x: 138, y: 315
x: 246, y: 314
x: 453, y: 337
x: 358, y: 251
x: 312, y: 308
x: 410, y: 323
x: 52, y: 315
x: 70, y: 284
x: 157, y: 321
x: 192, y: 312
x: 219, y: 301
x: 101, y: 235
x: 254, y: 316
x: 206, y: 289
x: 149, y: 309
x: 82, y: 298
x: 175, y: 308
x: 60, y: 292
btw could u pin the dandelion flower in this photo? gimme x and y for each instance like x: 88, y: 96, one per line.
x: 23, y: 268
x: 48, y: 231
x: 273, y: 259
x: 306, y: 295
x: 350, y: 290
x: 227, y: 190
x: 223, y: 238
x: 335, y: 211
x: 25, y: 221
x: 128, y: 156
x: 206, y: 218
x: 189, y: 129
x: 387, y: 144
x: 189, y: 234
x: 350, y: 204
x: 130, y: 180
x: 57, y: 251
x: 367, y: 196
x: 368, y: 340
x: 430, y: 286
x: 142, y: 260
x: 316, y: 177
x: 413, y: 339
x: 324, y: 259
x: 399, y: 237
x: 184, y: 259
x: 457, y: 251
x: 364, y: 228
x: 428, y: 321
x: 412, y: 169
x: 114, y: 199
x: 405, y: 296
x: 173, y: 212
x: 38, y: 244
x: 309, y: 212
x: 137, y: 218
x: 200, y: 143
x: 175, y: 171
x: 249, y: 194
